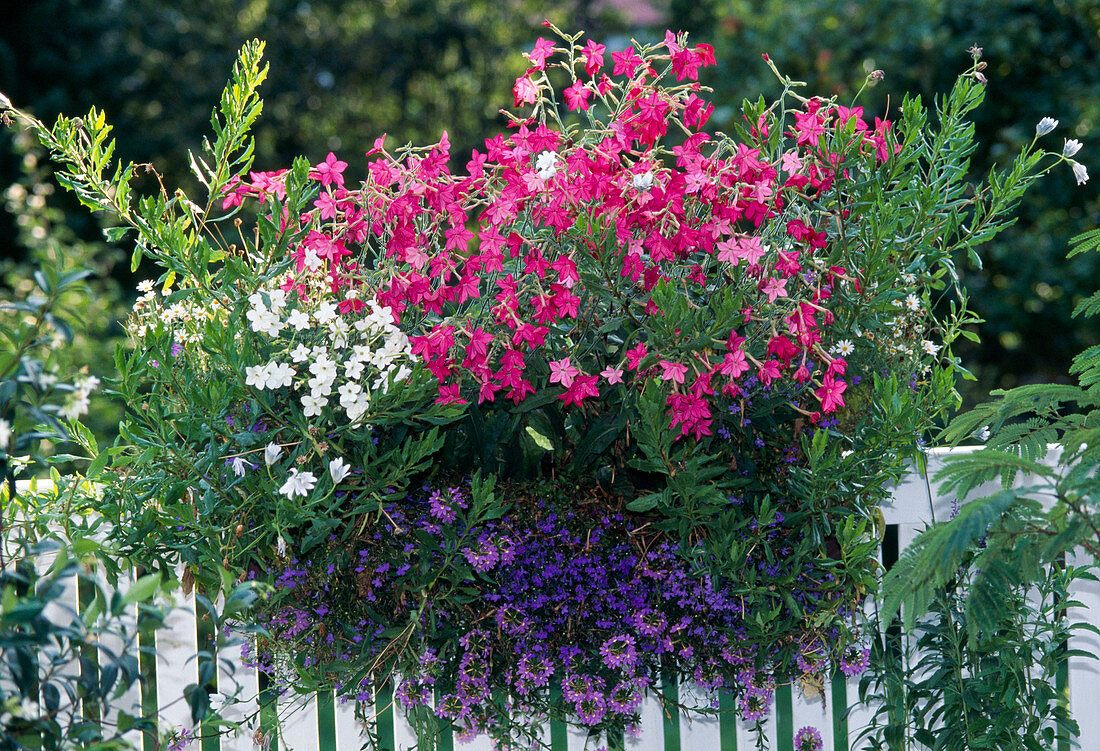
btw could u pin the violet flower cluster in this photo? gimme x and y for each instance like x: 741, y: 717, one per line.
x: 572, y: 610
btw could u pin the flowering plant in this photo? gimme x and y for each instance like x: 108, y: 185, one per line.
x: 613, y: 407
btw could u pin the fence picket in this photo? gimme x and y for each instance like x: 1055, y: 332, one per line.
x: 330, y: 725
x: 698, y: 731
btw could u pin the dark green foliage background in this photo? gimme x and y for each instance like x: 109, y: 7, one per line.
x: 345, y: 71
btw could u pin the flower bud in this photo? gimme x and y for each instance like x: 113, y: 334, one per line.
x: 1046, y: 125
x: 1072, y: 147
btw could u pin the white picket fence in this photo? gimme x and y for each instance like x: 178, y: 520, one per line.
x: 318, y: 723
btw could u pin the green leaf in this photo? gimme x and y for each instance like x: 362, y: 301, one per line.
x: 540, y: 440
x: 143, y: 589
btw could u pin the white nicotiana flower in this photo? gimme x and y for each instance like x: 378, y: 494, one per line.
x: 546, y: 163
x: 324, y: 368
x: 1071, y: 147
x: 5, y: 435
x: 358, y: 409
x: 326, y: 311
x: 338, y: 330
x: 644, y: 181
x: 1046, y: 125
x: 844, y: 348
x: 319, y: 387
x: 312, y: 261
x: 279, y: 374
x: 300, y: 353
x: 278, y: 299
x: 338, y: 469
x: 263, y: 321
x: 312, y: 404
x: 298, y: 483
x: 272, y: 452
x: 1079, y: 172
x: 298, y: 319
x: 256, y: 375
x: 353, y: 369
x: 349, y: 392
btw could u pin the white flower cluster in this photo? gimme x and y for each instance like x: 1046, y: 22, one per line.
x: 181, y: 317
x: 370, y: 352
x: 80, y: 399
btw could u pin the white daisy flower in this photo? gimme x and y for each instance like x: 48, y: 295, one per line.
x: 843, y: 348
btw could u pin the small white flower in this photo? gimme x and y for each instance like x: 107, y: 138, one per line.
x: 338, y: 469
x: 349, y: 392
x: 358, y: 408
x: 1079, y: 172
x: 263, y: 321
x: 298, y: 483
x: 983, y: 433
x: 5, y: 434
x: 28, y: 709
x: 272, y: 452
x: 338, y: 330
x: 1072, y: 147
x: 326, y: 311
x: 546, y: 163
x: 1046, y: 125
x: 930, y: 347
x: 909, y: 278
x: 644, y: 181
x: 280, y: 545
x: 77, y: 406
x: 300, y: 353
x: 324, y: 368
x: 318, y: 387
x: 844, y: 348
x: 353, y: 369
x: 145, y: 287
x: 239, y: 466
x: 312, y: 404
x: 279, y: 374
x: 298, y: 319
x: 256, y: 375
x: 912, y: 302
x: 278, y: 299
